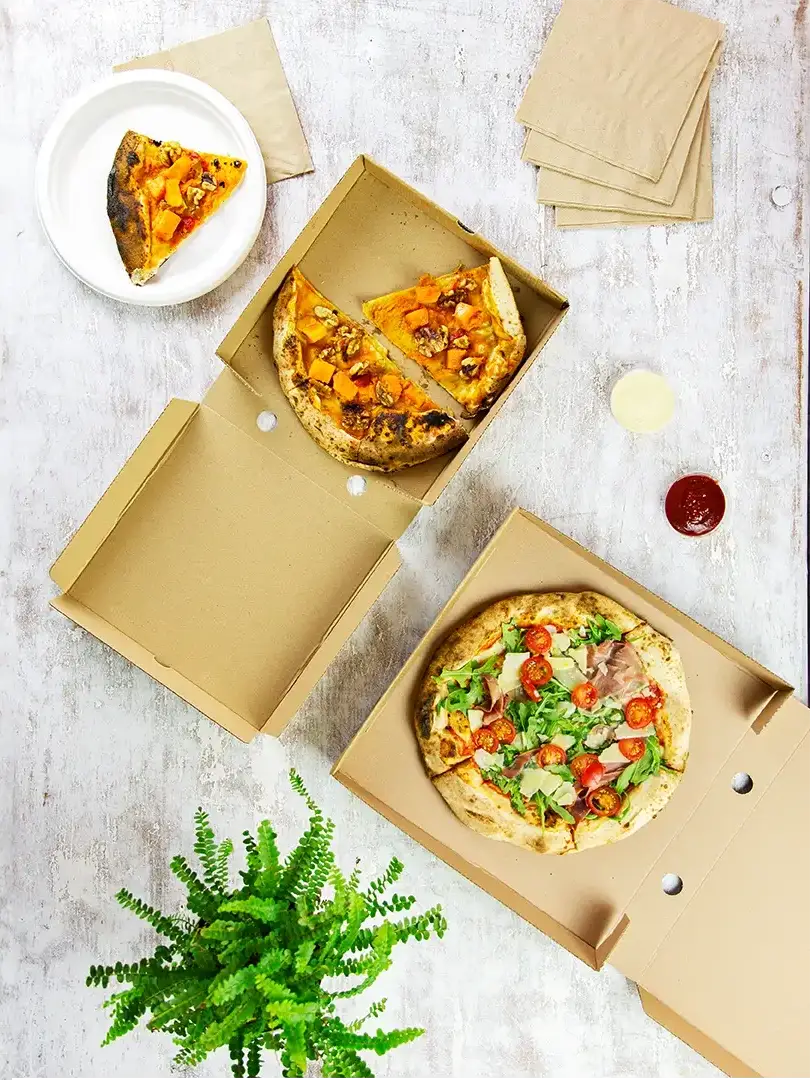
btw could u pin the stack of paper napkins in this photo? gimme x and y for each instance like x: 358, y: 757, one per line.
x: 617, y: 114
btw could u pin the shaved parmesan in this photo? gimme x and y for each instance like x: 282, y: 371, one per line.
x: 484, y: 760
x: 549, y: 781
x: 612, y: 755
x: 476, y: 718
x: 509, y: 678
x: 565, y: 794
x: 530, y: 782
x: 562, y: 642
x: 580, y: 657
x: 561, y: 663
x: 440, y: 720
x: 624, y: 731
x: 565, y: 742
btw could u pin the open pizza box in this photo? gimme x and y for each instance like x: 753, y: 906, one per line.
x: 229, y: 558
x: 724, y: 963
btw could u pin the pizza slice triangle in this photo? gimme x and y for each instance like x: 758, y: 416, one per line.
x: 464, y: 328
x: 348, y: 393
x: 159, y: 193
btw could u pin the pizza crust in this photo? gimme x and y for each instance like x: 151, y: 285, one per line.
x: 662, y: 662
x: 483, y: 808
x: 127, y: 212
x: 479, y: 804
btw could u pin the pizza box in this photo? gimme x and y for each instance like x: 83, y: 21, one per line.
x: 231, y: 557
x: 724, y: 963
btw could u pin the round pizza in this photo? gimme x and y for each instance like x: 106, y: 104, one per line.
x: 347, y: 392
x: 555, y: 721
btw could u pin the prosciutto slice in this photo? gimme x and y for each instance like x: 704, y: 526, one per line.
x: 518, y: 763
x: 615, y: 669
x: 497, y: 700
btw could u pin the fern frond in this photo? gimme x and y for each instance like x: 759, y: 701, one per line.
x: 255, y: 906
x: 254, y: 1058
x: 155, y: 918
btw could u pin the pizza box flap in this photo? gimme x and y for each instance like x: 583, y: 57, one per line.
x: 372, y: 235
x: 732, y: 975
x: 222, y: 571
x: 601, y: 895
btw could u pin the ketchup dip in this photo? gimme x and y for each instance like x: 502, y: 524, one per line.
x: 695, y: 505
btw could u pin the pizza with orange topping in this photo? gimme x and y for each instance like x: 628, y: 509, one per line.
x: 463, y: 328
x: 158, y: 194
x: 347, y: 392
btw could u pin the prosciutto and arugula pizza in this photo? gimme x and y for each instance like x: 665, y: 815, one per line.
x: 555, y: 721
x: 347, y: 392
x: 464, y: 328
x: 158, y: 194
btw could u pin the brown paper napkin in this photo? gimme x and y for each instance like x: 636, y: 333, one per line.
x: 616, y: 79
x: 542, y: 150
x: 570, y: 218
x: 244, y: 65
x: 557, y: 189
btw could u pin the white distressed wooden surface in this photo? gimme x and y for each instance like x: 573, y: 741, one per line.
x: 102, y: 769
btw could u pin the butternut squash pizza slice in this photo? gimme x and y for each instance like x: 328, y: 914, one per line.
x: 347, y: 392
x: 463, y: 328
x: 159, y: 193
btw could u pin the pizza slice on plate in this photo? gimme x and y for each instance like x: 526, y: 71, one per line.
x: 159, y: 193
x: 464, y: 328
x: 349, y: 395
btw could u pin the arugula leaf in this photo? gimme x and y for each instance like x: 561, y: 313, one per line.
x: 639, y: 771
x: 512, y: 637
x: 472, y: 667
x: 564, y: 814
x: 465, y: 686
x: 510, y: 752
x: 624, y: 811
x: 626, y: 778
x: 598, y: 630
x: 560, y: 770
x: 509, y: 786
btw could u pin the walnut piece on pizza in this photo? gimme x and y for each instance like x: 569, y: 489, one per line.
x: 463, y: 328
x: 158, y: 194
x: 347, y: 392
x: 555, y: 721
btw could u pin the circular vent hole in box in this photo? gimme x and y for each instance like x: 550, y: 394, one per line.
x: 671, y: 884
x: 742, y: 783
x: 266, y: 421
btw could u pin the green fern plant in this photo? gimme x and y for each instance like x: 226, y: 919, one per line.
x: 245, y: 968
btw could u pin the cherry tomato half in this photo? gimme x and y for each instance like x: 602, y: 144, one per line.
x: 604, y: 802
x: 585, y: 696
x: 581, y: 763
x: 638, y: 712
x: 485, y: 739
x: 633, y: 749
x: 535, y: 672
x: 550, y: 755
x: 538, y: 640
x: 504, y: 730
x: 593, y: 774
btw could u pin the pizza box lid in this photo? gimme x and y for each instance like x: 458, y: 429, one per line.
x: 231, y: 557
x: 609, y: 902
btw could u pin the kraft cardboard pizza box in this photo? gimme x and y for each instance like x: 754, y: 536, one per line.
x: 699, y: 951
x: 192, y: 564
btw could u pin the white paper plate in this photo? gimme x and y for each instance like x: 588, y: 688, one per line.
x: 75, y: 160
